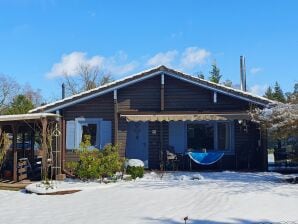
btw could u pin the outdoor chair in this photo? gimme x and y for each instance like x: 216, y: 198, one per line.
x: 171, y: 159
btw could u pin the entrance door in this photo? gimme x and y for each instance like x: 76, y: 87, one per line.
x: 137, y: 141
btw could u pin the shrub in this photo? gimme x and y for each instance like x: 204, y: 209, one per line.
x: 135, y: 171
x: 89, y: 164
x: 71, y: 167
x: 111, y: 161
x: 95, y: 163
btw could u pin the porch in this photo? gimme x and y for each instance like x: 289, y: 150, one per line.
x: 163, y: 141
x: 33, y: 147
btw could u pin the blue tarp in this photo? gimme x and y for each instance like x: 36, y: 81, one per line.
x: 205, y: 158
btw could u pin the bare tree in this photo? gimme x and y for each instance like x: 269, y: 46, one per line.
x: 9, y: 88
x: 87, y: 78
x: 33, y: 95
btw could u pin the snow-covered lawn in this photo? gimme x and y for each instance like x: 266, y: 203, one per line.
x: 221, y: 197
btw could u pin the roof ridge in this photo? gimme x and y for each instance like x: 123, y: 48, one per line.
x: 161, y: 68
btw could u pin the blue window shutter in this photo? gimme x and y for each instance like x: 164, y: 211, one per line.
x: 177, y: 136
x: 70, y: 135
x: 105, y: 133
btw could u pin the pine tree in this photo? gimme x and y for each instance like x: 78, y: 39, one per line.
x: 295, y: 88
x: 20, y: 105
x: 215, y: 73
x: 278, y: 94
x: 269, y: 94
x: 293, y: 97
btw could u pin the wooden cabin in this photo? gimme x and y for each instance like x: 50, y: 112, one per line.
x: 159, y: 109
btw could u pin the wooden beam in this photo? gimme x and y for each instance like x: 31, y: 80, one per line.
x: 116, y: 117
x: 14, y: 128
x: 132, y: 112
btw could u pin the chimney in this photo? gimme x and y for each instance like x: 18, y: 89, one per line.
x: 63, y: 90
x: 242, y: 73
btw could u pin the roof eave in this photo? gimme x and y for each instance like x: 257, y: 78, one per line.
x: 142, y: 76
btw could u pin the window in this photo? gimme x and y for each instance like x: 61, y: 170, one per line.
x: 224, y: 136
x: 210, y: 136
x: 200, y: 136
x: 100, y: 132
x: 89, y: 130
x: 88, y: 126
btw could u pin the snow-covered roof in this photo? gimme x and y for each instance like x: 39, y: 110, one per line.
x: 22, y: 117
x: 144, y: 75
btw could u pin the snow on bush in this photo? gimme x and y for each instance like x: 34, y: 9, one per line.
x: 134, y: 163
x: 280, y: 119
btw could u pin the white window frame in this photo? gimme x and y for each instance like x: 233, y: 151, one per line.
x: 79, y: 122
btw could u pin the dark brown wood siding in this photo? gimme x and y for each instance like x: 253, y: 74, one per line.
x: 247, y: 151
x: 181, y: 95
x: 122, y: 134
x: 99, y: 107
x: 142, y: 96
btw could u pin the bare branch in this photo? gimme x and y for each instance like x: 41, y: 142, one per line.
x: 87, y: 78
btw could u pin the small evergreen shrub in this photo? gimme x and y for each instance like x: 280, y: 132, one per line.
x: 95, y: 163
x: 135, y: 171
x: 111, y: 161
x: 89, y: 164
x: 71, y: 166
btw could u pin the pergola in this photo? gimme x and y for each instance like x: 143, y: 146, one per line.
x: 47, y: 124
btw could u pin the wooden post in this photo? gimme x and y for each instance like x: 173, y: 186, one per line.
x: 14, y: 128
x: 162, y: 108
x: 63, y: 143
x: 44, y: 124
x: 115, y: 117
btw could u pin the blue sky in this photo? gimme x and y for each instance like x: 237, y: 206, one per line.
x: 41, y: 39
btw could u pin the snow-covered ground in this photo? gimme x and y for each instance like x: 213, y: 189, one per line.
x: 219, y: 197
